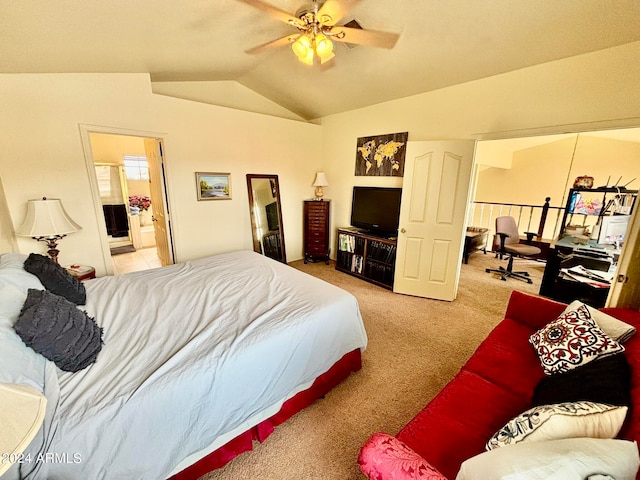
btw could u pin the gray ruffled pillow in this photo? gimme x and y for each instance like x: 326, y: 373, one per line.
x: 59, y: 331
x: 55, y: 278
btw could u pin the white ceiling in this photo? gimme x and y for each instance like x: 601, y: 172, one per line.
x: 195, y: 49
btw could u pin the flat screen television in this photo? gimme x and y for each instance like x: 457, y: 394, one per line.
x: 376, y: 209
x: 272, y: 216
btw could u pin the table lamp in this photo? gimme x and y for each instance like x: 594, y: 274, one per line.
x: 22, y: 410
x: 47, y: 221
x: 321, y: 181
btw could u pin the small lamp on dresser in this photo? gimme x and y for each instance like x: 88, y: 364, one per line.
x: 47, y: 221
x: 321, y: 181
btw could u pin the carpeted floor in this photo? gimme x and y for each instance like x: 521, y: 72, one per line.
x: 415, y: 347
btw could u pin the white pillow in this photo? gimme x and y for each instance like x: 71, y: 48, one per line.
x: 562, y: 420
x: 11, y: 302
x: 616, y: 329
x: 13, y: 273
x: 567, y: 459
x: 18, y: 363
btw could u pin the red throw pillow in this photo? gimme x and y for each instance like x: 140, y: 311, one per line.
x: 384, y: 456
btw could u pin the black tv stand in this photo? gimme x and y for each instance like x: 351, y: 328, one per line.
x: 368, y: 256
x: 373, y: 233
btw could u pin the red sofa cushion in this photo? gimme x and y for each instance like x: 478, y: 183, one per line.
x: 507, y: 359
x: 532, y: 311
x: 459, y: 420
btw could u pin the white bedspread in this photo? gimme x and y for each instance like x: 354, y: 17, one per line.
x: 191, y: 351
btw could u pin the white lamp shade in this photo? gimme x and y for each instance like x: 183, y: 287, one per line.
x: 22, y: 410
x: 321, y: 180
x: 47, y: 218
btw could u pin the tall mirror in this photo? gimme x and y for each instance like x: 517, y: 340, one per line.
x: 266, y: 216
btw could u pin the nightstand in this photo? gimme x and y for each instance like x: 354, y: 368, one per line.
x: 82, y: 272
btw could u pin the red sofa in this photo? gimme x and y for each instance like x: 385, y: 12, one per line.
x: 495, y: 385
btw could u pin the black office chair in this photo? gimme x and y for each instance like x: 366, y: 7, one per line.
x: 510, y: 245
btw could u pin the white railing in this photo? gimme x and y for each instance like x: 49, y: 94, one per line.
x: 543, y: 220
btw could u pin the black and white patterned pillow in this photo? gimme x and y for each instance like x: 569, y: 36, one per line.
x: 563, y: 420
x: 572, y: 340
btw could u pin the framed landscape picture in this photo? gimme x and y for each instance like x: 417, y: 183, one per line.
x: 213, y: 186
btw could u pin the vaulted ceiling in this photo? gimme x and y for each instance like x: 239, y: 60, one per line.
x: 196, y: 49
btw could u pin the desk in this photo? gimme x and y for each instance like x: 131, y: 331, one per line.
x: 566, y: 290
x: 475, y: 239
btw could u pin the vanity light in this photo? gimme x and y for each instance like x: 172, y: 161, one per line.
x: 321, y: 181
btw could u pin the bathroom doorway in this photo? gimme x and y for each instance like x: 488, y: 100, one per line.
x: 130, y: 190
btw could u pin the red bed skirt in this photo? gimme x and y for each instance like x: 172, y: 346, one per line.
x: 351, y: 362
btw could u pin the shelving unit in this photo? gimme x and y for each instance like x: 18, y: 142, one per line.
x: 366, y: 256
x: 583, y: 203
x: 585, y: 207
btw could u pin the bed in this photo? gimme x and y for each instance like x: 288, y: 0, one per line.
x: 199, y: 359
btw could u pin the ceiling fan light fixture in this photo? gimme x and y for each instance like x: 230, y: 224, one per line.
x: 324, y: 46
x: 318, y: 29
x: 310, y: 44
x: 308, y: 58
x: 302, y: 46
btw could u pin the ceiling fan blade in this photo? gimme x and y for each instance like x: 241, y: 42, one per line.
x: 336, y: 9
x: 370, y: 38
x: 279, y: 42
x: 272, y: 11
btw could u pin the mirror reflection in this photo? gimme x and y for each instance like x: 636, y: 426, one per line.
x: 266, y: 216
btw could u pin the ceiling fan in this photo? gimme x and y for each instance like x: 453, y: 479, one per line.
x: 317, y: 28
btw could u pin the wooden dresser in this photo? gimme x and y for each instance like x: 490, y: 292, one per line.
x: 316, y: 230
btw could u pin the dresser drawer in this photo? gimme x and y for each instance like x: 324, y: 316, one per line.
x: 316, y: 230
x: 317, y: 249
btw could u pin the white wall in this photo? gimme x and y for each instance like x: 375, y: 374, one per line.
x: 550, y: 170
x: 42, y: 155
x: 7, y: 236
x: 597, y: 88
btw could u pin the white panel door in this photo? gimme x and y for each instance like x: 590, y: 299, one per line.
x: 156, y: 186
x: 435, y: 191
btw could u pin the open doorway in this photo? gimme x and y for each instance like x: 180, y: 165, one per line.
x: 130, y: 198
x: 515, y: 176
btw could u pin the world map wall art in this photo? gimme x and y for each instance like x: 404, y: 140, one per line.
x: 381, y: 155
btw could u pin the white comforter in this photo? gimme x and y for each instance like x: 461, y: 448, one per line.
x: 191, y: 351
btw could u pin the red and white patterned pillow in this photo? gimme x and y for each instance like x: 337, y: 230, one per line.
x: 571, y: 340
x: 386, y: 457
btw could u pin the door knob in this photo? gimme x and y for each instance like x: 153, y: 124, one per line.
x: 402, y: 230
